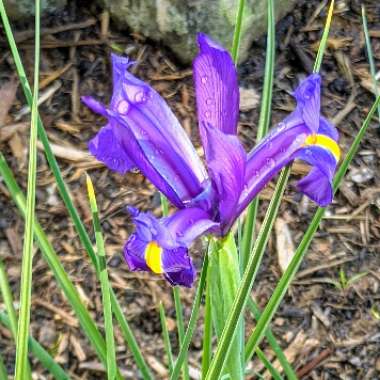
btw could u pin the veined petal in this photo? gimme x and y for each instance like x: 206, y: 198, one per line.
x: 226, y: 160
x: 308, y: 96
x: 107, y: 149
x: 216, y: 88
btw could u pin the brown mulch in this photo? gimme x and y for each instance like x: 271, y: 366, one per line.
x: 327, y: 332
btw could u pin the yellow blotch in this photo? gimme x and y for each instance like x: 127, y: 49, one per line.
x: 325, y: 142
x: 153, y: 257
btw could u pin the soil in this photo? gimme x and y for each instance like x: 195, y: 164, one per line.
x: 329, y: 321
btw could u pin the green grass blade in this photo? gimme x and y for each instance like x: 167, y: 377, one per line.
x: 323, y: 43
x: 104, y: 283
x: 21, y: 368
x: 268, y: 365
x: 207, y: 333
x: 247, y: 280
x: 166, y: 338
x: 177, y: 304
x: 237, y: 31
x: 192, y: 322
x: 87, y: 323
x: 291, y: 270
x: 74, y: 215
x: 371, y: 61
x: 289, y: 372
x: 39, y: 352
x: 264, y: 122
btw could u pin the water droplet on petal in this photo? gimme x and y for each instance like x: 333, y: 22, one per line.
x: 257, y: 173
x: 204, y: 79
x: 140, y: 97
x: 209, y: 101
x: 207, y: 114
x: 281, y: 126
x: 270, y: 162
x: 122, y: 107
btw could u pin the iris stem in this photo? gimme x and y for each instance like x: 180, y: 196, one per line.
x: 166, y: 338
x: 237, y: 31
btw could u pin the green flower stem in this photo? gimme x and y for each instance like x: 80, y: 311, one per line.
x: 83, y: 235
x: 237, y: 31
x: 291, y: 270
x: 268, y: 365
x: 243, y: 292
x: 207, y: 332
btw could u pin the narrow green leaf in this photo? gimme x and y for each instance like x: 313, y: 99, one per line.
x: 207, y: 332
x: 371, y: 61
x: 80, y: 228
x: 237, y: 31
x: 192, y: 322
x: 39, y: 352
x: 22, y: 367
x: 104, y: 282
x: 87, y: 323
x: 166, y: 338
x: 289, y: 372
x: 3, y: 369
x: 282, y: 286
x: 264, y: 123
x: 243, y: 292
x: 268, y: 365
x: 323, y: 43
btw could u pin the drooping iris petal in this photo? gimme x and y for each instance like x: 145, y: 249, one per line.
x: 107, y: 149
x: 308, y: 96
x: 326, y: 128
x: 161, y: 245
x: 216, y: 88
x: 226, y: 160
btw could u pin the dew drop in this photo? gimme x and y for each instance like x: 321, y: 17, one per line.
x: 140, y: 97
x: 123, y: 107
x: 257, y: 173
x: 204, y: 79
x: 270, y: 162
x: 207, y: 114
x: 281, y: 126
x: 209, y: 101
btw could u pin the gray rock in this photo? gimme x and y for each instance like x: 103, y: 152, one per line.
x: 21, y: 9
x: 175, y: 22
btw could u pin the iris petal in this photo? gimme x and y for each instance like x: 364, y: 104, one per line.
x: 216, y: 87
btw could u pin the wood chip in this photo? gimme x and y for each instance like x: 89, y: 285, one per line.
x: 284, y: 244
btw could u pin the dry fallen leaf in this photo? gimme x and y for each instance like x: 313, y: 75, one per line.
x: 7, y: 96
x: 284, y: 244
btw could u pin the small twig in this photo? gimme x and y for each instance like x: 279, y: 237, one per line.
x: 303, y: 371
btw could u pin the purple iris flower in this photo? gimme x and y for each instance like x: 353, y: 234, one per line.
x: 142, y: 132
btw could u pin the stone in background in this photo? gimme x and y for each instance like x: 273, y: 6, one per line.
x: 175, y: 22
x: 21, y: 9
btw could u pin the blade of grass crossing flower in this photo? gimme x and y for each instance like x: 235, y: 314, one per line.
x: 104, y: 282
x: 83, y: 235
x: 264, y: 122
x: 39, y: 352
x: 207, y: 332
x: 243, y: 292
x: 283, y: 285
x: 21, y: 366
x: 325, y: 36
x: 237, y: 31
x: 192, y: 322
x: 268, y: 365
x: 177, y: 303
x: 87, y: 323
x: 165, y: 336
x: 289, y: 372
x: 370, y: 55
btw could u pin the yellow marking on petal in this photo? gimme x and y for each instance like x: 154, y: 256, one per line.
x: 153, y: 257
x: 325, y: 142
